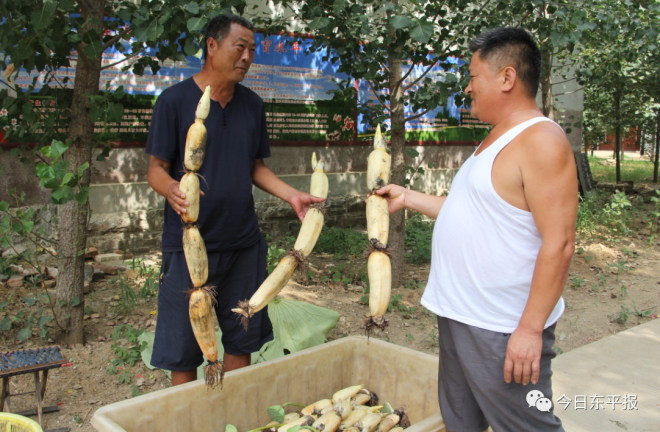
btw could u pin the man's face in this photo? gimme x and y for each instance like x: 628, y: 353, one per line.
x: 233, y: 56
x: 482, y: 87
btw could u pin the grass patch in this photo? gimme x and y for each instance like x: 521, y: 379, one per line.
x: 603, y: 170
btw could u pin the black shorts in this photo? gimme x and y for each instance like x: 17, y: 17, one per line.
x: 236, y: 276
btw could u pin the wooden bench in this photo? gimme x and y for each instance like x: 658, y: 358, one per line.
x: 37, y: 361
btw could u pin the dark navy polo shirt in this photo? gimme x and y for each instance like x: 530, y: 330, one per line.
x: 237, y: 135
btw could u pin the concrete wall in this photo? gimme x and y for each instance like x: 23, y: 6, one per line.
x: 127, y: 214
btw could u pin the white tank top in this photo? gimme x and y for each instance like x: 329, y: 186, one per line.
x: 484, y: 249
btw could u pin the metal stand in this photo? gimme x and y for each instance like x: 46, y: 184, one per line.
x: 37, y: 361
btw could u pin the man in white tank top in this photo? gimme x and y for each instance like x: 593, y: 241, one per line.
x: 502, y: 244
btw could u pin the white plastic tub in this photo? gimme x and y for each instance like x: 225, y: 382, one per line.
x: 401, y: 376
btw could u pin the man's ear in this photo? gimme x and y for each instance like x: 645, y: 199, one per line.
x: 508, y: 78
x: 211, y: 43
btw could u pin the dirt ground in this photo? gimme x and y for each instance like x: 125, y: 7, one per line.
x: 610, y: 288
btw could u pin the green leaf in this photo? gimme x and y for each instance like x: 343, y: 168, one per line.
x: 30, y: 301
x: 319, y: 23
x: 56, y: 149
x: 68, y: 180
x: 26, y: 332
x: 290, y: 336
x: 338, y: 6
x: 94, y: 48
x: 4, y: 206
x: 195, y: 24
x: 62, y: 195
x: 42, y: 19
x: 45, y: 173
x: 43, y: 320
x: 192, y: 8
x: 190, y: 48
x: 276, y: 413
x: 83, y: 196
x: 231, y: 428
x: 28, y: 226
x: 82, y: 168
x: 422, y: 31
x: 400, y: 22
x: 5, y: 323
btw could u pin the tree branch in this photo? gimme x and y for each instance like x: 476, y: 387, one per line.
x: 418, y: 79
x: 569, y: 92
x: 418, y: 115
x: 119, y: 36
x: 563, y: 82
x: 383, y: 104
x: 137, y: 54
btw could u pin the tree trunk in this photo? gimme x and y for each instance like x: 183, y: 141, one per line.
x: 657, y: 149
x: 397, y: 148
x: 617, y: 134
x: 546, y: 85
x: 73, y: 216
x: 397, y: 151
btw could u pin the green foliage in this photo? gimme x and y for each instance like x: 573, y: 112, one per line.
x: 126, y: 346
x: 22, y: 225
x: 32, y: 315
x: 598, y: 210
x: 623, y: 315
x: 618, y: 68
x: 54, y: 174
x: 654, y: 217
x: 149, y: 287
x: 341, y: 274
x: 396, y: 304
x: 341, y: 242
x: 576, y: 282
x: 617, y: 212
x: 418, y: 234
x: 414, y: 284
x: 277, y: 249
x: 147, y: 275
x: 128, y: 298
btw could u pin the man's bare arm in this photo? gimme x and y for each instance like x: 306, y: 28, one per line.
x: 550, y: 188
x: 158, y: 176
x: 399, y: 197
x: 264, y: 178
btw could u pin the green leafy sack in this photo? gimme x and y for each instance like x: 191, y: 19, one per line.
x: 296, y: 326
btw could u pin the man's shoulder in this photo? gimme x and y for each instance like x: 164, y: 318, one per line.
x: 544, y: 133
x: 543, y: 145
x: 536, y: 131
x: 176, y: 90
x: 248, y: 94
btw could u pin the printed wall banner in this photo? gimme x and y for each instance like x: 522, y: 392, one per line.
x: 296, y: 86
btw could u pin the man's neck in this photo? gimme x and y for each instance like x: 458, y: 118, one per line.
x: 507, y: 120
x: 222, y: 91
